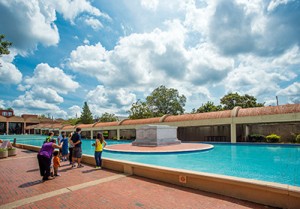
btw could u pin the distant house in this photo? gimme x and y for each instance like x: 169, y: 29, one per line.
x: 7, y: 113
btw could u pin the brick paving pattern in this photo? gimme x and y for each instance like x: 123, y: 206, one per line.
x: 90, y: 188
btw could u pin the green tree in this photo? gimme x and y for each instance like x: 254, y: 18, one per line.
x: 72, y: 121
x: 231, y: 100
x: 165, y: 101
x: 4, y: 45
x: 43, y: 116
x: 140, y: 110
x: 86, y: 115
x: 208, y: 107
x: 107, y: 117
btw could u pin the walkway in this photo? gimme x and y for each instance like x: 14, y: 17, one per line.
x: 21, y: 187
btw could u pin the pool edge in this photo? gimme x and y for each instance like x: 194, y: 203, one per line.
x: 267, y: 193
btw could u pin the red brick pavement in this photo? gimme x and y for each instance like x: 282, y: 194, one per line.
x: 19, y: 177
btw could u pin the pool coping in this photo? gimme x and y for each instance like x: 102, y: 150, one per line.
x: 122, y: 148
x: 263, y: 192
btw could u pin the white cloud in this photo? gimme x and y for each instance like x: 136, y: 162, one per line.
x: 71, y: 9
x: 27, y: 100
x: 54, y: 78
x: 140, y: 58
x: 34, y: 21
x: 9, y: 73
x: 103, y: 99
x: 86, y: 41
x: 125, y: 98
x: 41, y: 91
x: 74, y: 111
x: 291, y: 90
x: 2, y: 104
x: 98, y: 96
x: 275, y: 3
x: 94, y: 23
x: 50, y: 95
x: 150, y: 4
x: 291, y: 93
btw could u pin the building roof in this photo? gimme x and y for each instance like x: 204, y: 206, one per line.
x: 2, y: 119
x: 84, y: 126
x: 101, y: 124
x: 238, y: 112
x: 139, y: 121
x: 16, y: 119
x: 198, y: 116
x: 68, y: 127
x: 31, y: 120
x: 269, y: 110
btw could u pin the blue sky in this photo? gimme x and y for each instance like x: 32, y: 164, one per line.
x: 112, y: 53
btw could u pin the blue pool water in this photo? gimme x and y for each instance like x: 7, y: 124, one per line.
x: 273, y: 163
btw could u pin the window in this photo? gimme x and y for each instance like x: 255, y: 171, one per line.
x: 4, y: 113
x: 9, y: 113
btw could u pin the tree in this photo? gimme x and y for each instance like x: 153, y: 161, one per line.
x: 208, y: 107
x: 86, y: 115
x: 107, y: 117
x: 72, y: 121
x: 140, y: 110
x: 165, y: 101
x: 4, y: 45
x: 231, y: 100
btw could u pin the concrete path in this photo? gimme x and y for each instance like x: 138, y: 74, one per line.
x: 22, y: 187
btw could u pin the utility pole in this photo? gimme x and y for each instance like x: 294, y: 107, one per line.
x: 277, y: 100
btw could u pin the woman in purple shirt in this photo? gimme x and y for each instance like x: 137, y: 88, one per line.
x: 44, y: 157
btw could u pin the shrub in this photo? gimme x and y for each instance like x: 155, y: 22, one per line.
x: 256, y: 138
x: 273, y: 138
x: 298, y: 138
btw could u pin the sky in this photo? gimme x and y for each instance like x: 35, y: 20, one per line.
x: 113, y: 53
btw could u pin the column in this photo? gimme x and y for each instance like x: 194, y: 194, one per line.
x: 118, y: 134
x: 91, y: 134
x: 7, y: 127
x: 233, y: 132
x: 246, y: 132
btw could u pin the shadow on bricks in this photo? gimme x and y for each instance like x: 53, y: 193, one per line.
x: 29, y: 184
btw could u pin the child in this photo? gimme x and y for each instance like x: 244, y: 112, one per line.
x: 56, y: 163
x: 65, y: 147
x: 99, y: 144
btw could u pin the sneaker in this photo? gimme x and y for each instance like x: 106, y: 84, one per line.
x: 80, y: 166
x: 48, y: 178
x: 57, y: 174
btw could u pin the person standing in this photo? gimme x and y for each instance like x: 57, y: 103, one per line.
x: 77, y: 151
x: 44, y: 158
x: 99, y: 144
x: 49, y: 137
x: 70, y: 147
x: 56, y: 163
x: 65, y: 147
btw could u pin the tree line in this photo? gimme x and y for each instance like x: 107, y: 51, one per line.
x: 164, y: 101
